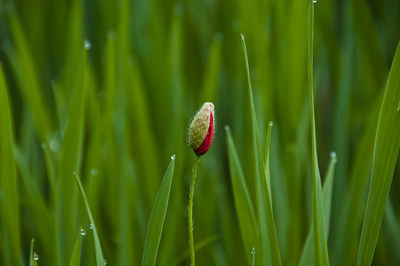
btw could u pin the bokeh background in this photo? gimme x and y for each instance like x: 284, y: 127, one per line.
x: 108, y: 88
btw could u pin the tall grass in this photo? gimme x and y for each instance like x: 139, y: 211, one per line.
x: 106, y: 89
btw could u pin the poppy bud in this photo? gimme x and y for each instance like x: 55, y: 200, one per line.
x: 201, y: 131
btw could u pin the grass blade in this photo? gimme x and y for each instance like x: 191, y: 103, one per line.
x: 157, y: 217
x: 307, y: 254
x: 69, y: 162
x: 244, y: 206
x: 31, y: 256
x: 26, y: 74
x: 320, y: 245
x: 8, y: 179
x: 267, y: 230
x: 387, y: 144
x: 99, y: 253
x: 76, y: 253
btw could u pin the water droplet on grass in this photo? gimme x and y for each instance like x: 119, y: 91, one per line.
x: 83, y: 233
x: 314, y: 1
x: 87, y: 45
x: 253, y: 251
x: 271, y: 124
x: 94, y: 172
x: 54, y: 145
x: 35, y: 257
x: 91, y: 226
x: 173, y: 157
x: 333, y: 156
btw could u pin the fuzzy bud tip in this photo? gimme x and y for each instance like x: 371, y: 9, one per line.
x: 201, y: 131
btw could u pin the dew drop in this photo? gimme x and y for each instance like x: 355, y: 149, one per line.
x: 333, y: 156
x: 91, y: 226
x: 253, y: 251
x: 94, y: 172
x: 83, y: 233
x: 35, y: 257
x: 87, y: 45
x: 54, y: 145
x: 314, y: 1
x: 173, y: 157
x: 271, y: 124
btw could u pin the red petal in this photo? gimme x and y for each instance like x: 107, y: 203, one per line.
x: 203, y: 148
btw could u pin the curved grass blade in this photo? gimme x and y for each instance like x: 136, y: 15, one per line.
x: 76, y: 253
x: 100, y: 261
x: 31, y: 258
x: 268, y: 239
x: 25, y: 69
x: 244, y: 206
x: 157, y: 217
x: 320, y: 245
x: 387, y: 144
x: 10, y: 220
x: 307, y: 254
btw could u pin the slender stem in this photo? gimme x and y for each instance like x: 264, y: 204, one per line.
x: 190, y: 208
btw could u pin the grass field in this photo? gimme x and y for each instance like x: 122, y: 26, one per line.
x: 96, y: 98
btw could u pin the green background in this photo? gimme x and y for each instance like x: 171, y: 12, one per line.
x: 115, y: 113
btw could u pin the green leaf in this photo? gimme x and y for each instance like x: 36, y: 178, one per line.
x: 387, y: 144
x: 157, y: 217
x: 392, y: 232
x: 10, y: 221
x: 76, y: 252
x: 307, y: 254
x: 320, y: 245
x: 268, y: 241
x: 69, y: 162
x: 26, y: 74
x: 31, y: 255
x: 244, y: 206
x: 100, y: 261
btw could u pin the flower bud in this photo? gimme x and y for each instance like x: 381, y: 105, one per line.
x: 201, y: 131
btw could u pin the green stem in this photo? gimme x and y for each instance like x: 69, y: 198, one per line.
x: 190, y: 208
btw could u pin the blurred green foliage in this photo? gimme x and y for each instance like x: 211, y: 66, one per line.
x: 107, y: 89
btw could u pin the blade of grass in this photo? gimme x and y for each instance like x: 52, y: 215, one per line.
x: 267, y: 230
x: 26, y: 74
x: 392, y: 230
x: 100, y: 261
x: 307, y: 254
x: 244, y: 206
x: 70, y: 161
x: 31, y: 259
x: 320, y: 244
x: 76, y: 253
x: 387, y: 144
x: 157, y: 217
x: 8, y: 180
